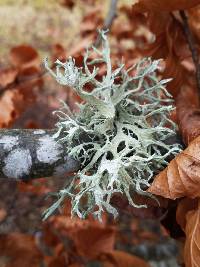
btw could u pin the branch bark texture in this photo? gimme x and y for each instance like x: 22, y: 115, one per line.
x: 29, y: 154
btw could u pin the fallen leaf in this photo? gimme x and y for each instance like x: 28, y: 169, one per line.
x: 20, y: 249
x: 7, y: 76
x: 118, y: 258
x: 99, y: 240
x: 188, y: 114
x: 192, y: 244
x: 98, y: 237
x: 182, y: 176
x: 168, y: 35
x: 24, y: 56
x: 174, y: 69
x: 7, y: 110
x: 164, y: 5
x: 154, y: 208
x: 59, y: 257
x: 194, y: 21
x: 184, y: 206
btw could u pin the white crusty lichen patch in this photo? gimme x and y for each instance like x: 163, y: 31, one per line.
x: 48, y: 150
x: 39, y: 131
x: 9, y: 142
x: 126, y: 118
x: 18, y: 163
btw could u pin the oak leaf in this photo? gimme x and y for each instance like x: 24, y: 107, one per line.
x: 182, y: 176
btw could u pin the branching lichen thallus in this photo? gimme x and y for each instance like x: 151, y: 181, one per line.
x: 118, y: 134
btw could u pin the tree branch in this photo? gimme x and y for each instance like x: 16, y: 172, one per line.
x: 29, y: 154
x: 109, y: 20
x: 192, y: 46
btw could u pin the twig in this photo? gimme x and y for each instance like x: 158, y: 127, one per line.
x: 29, y: 154
x: 192, y: 46
x: 109, y: 20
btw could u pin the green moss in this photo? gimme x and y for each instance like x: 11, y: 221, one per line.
x: 119, y: 133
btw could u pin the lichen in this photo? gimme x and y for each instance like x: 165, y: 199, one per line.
x: 18, y: 163
x: 119, y: 133
x: 48, y: 150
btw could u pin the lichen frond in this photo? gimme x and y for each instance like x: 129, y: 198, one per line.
x: 119, y: 134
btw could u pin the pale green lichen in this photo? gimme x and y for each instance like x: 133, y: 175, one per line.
x: 119, y: 133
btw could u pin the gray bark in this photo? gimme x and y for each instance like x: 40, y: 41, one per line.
x: 29, y: 154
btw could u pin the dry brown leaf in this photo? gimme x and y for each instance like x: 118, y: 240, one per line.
x: 118, y: 258
x: 192, y: 244
x: 98, y: 237
x: 174, y: 69
x: 59, y: 257
x: 99, y: 240
x: 20, y: 249
x: 164, y: 5
x: 24, y: 56
x: 182, y: 176
x: 194, y: 21
x: 153, y: 211
x: 184, y: 206
x: 14, y: 102
x: 7, y: 76
x: 169, y: 36
x: 188, y: 114
x: 7, y: 109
